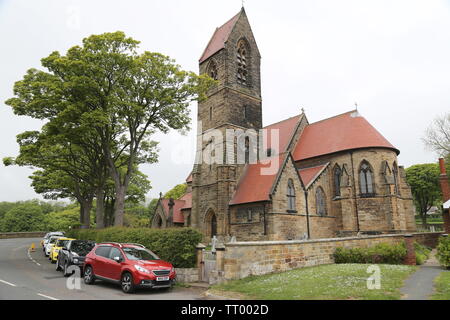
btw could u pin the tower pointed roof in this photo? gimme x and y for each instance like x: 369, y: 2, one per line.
x: 219, y: 37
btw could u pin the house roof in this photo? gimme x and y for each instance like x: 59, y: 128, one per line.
x: 343, y: 132
x: 254, y: 184
x: 285, y: 129
x: 187, y: 198
x: 219, y: 38
x: 177, y: 214
x: 309, y: 175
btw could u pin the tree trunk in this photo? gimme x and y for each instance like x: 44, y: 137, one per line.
x: 100, y: 209
x: 423, y: 216
x: 85, y: 207
x: 119, y: 205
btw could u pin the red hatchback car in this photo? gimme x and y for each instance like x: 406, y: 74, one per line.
x: 128, y: 264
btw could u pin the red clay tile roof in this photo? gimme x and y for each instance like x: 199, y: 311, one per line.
x: 219, y: 38
x: 187, y: 198
x: 253, y: 186
x: 286, y: 130
x: 343, y: 132
x: 308, y: 175
x: 177, y: 214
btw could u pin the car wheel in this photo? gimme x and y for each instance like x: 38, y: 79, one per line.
x: 58, y: 268
x: 89, y: 277
x: 127, y: 283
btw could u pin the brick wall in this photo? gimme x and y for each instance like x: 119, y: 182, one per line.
x: 242, y: 259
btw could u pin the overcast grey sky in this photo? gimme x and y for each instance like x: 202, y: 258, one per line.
x: 392, y: 57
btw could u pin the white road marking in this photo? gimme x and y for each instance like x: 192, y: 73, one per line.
x: 8, y: 283
x: 48, y: 297
x: 29, y: 256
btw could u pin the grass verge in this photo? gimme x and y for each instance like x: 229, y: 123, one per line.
x: 442, y: 285
x: 326, y: 282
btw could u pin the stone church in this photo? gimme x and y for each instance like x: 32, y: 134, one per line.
x: 336, y: 177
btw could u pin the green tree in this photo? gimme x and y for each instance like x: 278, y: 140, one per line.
x: 27, y: 216
x: 106, y: 87
x: 424, y: 182
x: 176, y: 192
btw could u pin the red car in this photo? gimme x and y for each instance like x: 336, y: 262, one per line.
x: 128, y: 264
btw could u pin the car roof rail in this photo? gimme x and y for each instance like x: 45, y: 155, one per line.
x: 136, y: 244
x: 109, y: 242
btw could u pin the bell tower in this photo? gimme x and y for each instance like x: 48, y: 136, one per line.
x: 233, y: 59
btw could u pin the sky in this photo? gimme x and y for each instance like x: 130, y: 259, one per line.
x: 391, y: 57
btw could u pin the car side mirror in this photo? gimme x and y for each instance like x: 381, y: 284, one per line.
x: 118, y: 259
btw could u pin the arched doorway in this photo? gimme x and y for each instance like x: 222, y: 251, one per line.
x: 213, y: 225
x: 210, y: 224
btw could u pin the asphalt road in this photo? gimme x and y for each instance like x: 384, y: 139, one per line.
x: 31, y: 276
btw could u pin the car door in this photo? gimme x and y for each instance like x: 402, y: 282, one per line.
x: 114, y: 267
x: 101, y: 261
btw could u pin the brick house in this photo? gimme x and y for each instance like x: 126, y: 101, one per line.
x: 338, y: 176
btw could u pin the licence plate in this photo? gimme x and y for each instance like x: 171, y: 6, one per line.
x: 162, y: 278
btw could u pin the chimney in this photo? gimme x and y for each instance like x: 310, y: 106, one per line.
x: 445, y: 188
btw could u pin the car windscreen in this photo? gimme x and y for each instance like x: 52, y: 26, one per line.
x: 61, y: 243
x: 82, y: 248
x: 53, y: 240
x: 139, y: 254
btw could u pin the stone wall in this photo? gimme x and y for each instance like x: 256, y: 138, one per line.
x: 187, y: 275
x: 10, y: 235
x: 242, y: 259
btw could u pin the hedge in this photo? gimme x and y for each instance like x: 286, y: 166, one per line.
x: 381, y: 253
x: 176, y: 245
x: 443, y: 251
x: 422, y: 253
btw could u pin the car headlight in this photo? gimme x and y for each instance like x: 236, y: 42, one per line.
x: 141, y: 269
x: 75, y: 260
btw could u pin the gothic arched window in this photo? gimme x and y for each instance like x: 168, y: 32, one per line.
x: 395, y: 173
x: 291, y: 195
x: 242, y: 62
x: 321, y: 206
x: 337, y: 181
x: 366, y: 179
x: 212, y: 70
x: 247, y: 150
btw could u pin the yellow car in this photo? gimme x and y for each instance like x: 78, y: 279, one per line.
x: 61, y: 242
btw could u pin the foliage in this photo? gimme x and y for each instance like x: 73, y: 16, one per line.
x: 63, y: 220
x: 380, y: 253
x: 28, y: 216
x: 422, y: 253
x: 424, y: 182
x: 102, y: 102
x: 176, y: 192
x: 443, y: 251
x: 176, y: 245
x: 325, y: 282
x: 442, y: 287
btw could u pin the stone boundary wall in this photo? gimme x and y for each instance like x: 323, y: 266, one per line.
x: 10, y: 235
x: 187, y: 275
x: 242, y: 259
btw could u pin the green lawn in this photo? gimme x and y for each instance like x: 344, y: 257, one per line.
x: 442, y: 284
x: 326, y: 282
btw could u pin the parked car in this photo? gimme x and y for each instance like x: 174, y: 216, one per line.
x: 49, y: 244
x: 73, y: 254
x: 61, y: 242
x: 47, y: 236
x: 130, y: 265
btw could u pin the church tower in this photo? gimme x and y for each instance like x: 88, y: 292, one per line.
x: 232, y: 58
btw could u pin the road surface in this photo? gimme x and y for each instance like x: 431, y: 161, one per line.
x: 30, y: 276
